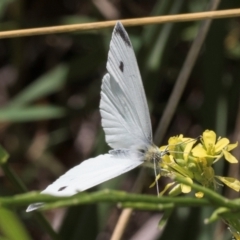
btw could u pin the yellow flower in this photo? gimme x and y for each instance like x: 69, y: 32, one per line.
x: 175, y: 164
x: 179, y: 147
x: 195, y: 162
x: 213, y: 149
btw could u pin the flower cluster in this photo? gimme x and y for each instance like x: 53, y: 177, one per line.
x: 194, y: 159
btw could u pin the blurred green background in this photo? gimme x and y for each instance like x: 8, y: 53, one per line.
x: 49, y: 99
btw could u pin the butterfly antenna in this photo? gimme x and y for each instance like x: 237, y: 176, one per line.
x: 186, y: 141
x: 155, y: 173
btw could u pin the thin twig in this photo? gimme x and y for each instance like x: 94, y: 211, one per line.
x: 127, y: 22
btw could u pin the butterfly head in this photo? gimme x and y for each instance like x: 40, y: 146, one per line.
x: 154, y: 154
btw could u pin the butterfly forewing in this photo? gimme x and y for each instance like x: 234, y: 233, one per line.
x: 129, y: 101
x: 118, y: 119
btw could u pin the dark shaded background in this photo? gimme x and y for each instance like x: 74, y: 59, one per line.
x: 50, y: 92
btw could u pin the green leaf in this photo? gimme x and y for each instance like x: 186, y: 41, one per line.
x: 3, y: 238
x: 3, y: 155
x: 158, y: 48
x: 11, y: 226
x: 48, y: 83
x: 80, y: 222
x: 30, y: 113
x: 4, y: 5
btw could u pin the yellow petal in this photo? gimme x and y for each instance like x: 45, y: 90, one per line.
x: 175, y: 145
x: 166, y: 159
x: 199, y: 151
x: 180, y: 136
x: 177, y: 169
x: 154, y: 183
x: 163, y: 148
x: 230, y: 182
x: 176, y: 190
x: 166, y: 188
x: 222, y: 143
x: 209, y: 138
x: 230, y: 147
x: 188, y: 148
x: 199, y: 194
x: 174, y: 140
x: 229, y: 157
x: 186, y: 188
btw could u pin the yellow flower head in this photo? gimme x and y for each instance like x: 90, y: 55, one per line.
x: 195, y: 162
x: 213, y: 149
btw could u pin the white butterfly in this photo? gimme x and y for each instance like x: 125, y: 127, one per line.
x: 125, y: 120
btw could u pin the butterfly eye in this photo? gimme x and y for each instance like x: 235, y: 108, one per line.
x: 62, y: 188
x: 143, y: 151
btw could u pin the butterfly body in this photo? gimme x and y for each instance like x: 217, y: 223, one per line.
x: 154, y: 154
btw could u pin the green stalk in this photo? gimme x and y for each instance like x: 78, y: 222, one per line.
x: 213, y: 196
x: 106, y: 196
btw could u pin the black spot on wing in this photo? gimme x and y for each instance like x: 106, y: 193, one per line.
x: 62, y: 188
x: 121, y: 66
x: 119, y: 29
